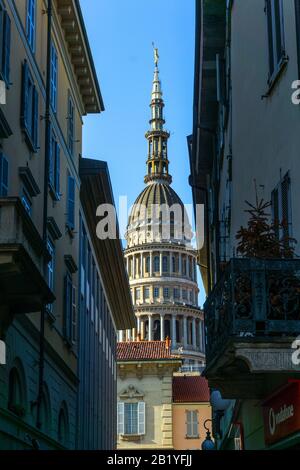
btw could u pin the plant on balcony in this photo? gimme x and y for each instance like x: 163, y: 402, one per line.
x: 259, y: 239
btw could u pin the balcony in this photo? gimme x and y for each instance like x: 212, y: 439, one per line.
x: 22, y: 254
x: 252, y: 318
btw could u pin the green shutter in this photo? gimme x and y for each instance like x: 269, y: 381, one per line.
x: 120, y: 417
x: 141, y: 418
x: 35, y: 126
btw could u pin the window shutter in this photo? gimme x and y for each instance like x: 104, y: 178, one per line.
x: 275, y: 211
x: 141, y: 417
x: 3, y: 175
x: 68, y: 306
x: 35, y: 117
x: 188, y: 423
x: 6, y: 49
x: 57, y: 170
x: 74, y: 319
x: 195, y: 423
x: 1, y: 37
x: 270, y: 35
x: 51, y: 151
x: 24, y: 103
x: 285, y: 188
x: 71, y: 201
x: 120, y: 417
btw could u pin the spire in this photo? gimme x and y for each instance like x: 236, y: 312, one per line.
x: 157, y: 136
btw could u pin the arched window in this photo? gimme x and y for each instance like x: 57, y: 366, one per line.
x: 156, y: 264
x: 14, y: 389
x: 16, y: 392
x: 45, y: 410
x: 63, y: 425
x: 148, y: 264
x: 173, y: 264
x: 165, y: 264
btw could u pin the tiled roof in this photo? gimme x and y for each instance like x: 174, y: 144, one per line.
x: 143, y: 350
x: 187, y: 389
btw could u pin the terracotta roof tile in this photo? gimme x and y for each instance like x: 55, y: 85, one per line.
x: 187, y: 389
x: 143, y: 350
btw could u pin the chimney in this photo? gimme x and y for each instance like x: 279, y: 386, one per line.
x: 168, y: 343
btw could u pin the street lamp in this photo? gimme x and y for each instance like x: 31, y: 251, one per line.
x: 208, y: 443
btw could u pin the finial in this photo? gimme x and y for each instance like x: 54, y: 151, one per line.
x: 156, y: 55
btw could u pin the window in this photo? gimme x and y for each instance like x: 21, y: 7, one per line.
x: 70, y: 320
x: 165, y: 264
x: 147, y: 292
x: 176, y: 293
x: 70, y: 125
x: 156, y: 264
x: 27, y: 203
x: 281, y: 209
x: 71, y: 203
x: 148, y: 264
x: 192, y: 423
x: 184, y: 267
x: 274, y: 9
x: 184, y: 294
x: 156, y: 292
x: 63, y: 425
x: 131, y: 418
x: 3, y: 175
x: 54, y: 167
x: 138, y: 294
x: 50, y: 269
x: 5, y: 30
x: 173, y: 264
x: 166, y: 293
x: 191, y: 296
x: 30, y: 24
x: 29, y: 108
x: 15, y: 393
x: 53, y: 78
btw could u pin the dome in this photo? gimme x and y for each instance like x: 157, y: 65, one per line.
x: 148, y: 213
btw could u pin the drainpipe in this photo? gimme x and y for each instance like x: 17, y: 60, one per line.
x: 45, y: 209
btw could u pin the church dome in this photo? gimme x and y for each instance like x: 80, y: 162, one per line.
x: 158, y: 206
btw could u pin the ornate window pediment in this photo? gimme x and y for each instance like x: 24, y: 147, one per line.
x: 131, y: 392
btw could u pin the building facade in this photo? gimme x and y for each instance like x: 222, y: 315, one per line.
x: 247, y: 60
x: 145, y: 374
x: 161, y: 262
x: 191, y: 411
x: 50, y: 83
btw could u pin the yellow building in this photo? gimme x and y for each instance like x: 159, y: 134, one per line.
x: 191, y: 410
x: 145, y: 371
x: 53, y: 270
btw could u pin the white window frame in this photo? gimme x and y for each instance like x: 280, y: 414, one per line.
x: 192, y: 424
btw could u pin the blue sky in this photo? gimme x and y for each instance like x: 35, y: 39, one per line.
x: 121, y: 35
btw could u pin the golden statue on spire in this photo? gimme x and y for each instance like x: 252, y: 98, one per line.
x: 156, y: 55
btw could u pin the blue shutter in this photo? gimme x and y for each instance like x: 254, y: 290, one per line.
x: 25, y: 104
x: 6, y: 47
x: 1, y: 37
x: 3, y: 175
x: 57, y: 170
x: 68, y: 305
x: 51, y: 157
x: 35, y: 117
x: 71, y: 202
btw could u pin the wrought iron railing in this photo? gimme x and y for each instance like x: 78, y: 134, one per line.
x: 254, y: 299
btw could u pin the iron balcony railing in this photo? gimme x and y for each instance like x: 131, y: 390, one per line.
x: 254, y: 299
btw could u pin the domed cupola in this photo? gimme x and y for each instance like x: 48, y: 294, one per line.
x: 160, y: 260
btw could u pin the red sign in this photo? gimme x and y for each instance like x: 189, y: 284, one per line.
x: 282, y: 413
